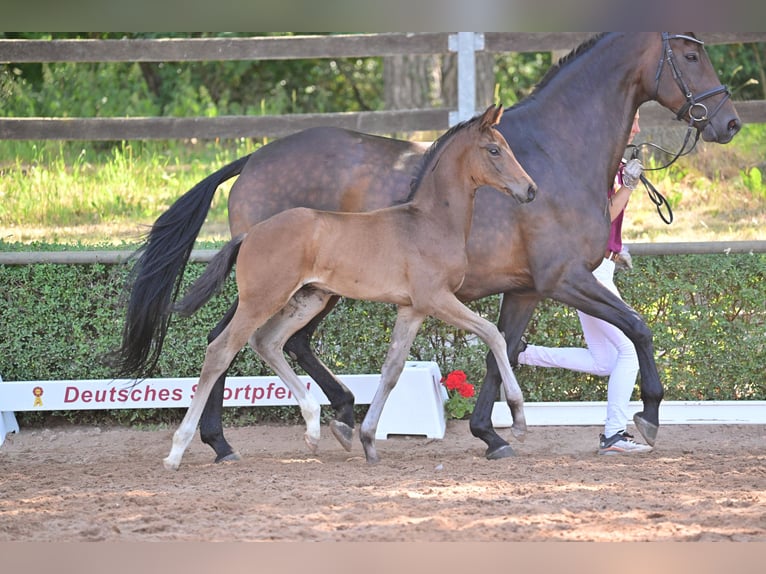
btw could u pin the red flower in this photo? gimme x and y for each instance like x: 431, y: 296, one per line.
x: 466, y: 390
x: 454, y: 380
x: 458, y: 381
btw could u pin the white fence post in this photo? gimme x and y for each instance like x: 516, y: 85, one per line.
x: 466, y: 44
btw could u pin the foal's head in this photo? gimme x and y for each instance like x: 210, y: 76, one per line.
x: 485, y: 157
x: 491, y: 161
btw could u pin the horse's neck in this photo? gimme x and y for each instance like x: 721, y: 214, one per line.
x: 585, y: 111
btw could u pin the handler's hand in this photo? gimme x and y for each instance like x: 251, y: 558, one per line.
x: 631, y: 173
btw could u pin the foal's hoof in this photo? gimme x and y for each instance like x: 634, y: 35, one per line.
x: 343, y: 433
x: 233, y: 456
x: 519, y: 433
x: 504, y: 451
x: 311, y: 442
x: 648, y: 430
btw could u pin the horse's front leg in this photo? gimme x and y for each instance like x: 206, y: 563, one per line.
x: 211, y: 424
x: 582, y: 291
x: 408, y: 322
x: 298, y: 346
x: 515, y: 313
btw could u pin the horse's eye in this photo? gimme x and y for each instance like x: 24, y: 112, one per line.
x: 494, y: 150
x: 692, y: 57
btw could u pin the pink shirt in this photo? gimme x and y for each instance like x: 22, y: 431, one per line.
x: 615, y: 232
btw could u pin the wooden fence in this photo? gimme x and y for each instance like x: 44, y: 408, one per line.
x: 296, y: 47
x: 116, y: 257
x: 279, y: 48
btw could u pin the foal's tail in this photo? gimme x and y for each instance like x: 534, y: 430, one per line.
x: 212, y: 279
x: 157, y: 274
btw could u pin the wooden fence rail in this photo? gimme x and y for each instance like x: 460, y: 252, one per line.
x: 205, y: 255
x: 279, y: 48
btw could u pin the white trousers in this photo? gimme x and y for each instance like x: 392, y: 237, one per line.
x: 609, y: 353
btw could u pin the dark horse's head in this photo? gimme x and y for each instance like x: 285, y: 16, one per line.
x: 686, y: 82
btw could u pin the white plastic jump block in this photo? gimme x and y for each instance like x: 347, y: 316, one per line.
x: 416, y: 405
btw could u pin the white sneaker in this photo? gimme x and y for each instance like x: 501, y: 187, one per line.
x: 621, y: 443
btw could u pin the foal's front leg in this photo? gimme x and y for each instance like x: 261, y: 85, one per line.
x: 408, y: 322
x: 448, y: 308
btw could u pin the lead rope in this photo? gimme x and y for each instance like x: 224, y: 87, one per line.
x: 654, y: 195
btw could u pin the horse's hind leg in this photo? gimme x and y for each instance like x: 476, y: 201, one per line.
x: 408, y: 322
x: 515, y: 313
x: 340, y: 397
x: 211, y: 425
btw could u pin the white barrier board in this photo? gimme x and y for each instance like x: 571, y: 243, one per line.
x: 415, y: 406
x: 671, y: 412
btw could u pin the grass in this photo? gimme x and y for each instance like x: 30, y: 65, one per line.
x: 55, y: 192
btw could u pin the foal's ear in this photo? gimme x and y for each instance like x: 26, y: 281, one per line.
x: 492, y: 116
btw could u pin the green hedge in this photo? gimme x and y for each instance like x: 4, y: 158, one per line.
x: 707, y: 313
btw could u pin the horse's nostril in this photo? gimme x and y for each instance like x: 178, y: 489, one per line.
x: 734, y: 126
x: 531, y: 192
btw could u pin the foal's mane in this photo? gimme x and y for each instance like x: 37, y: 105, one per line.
x: 431, y: 156
x: 563, y: 62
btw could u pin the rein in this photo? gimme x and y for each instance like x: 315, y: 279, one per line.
x: 694, y: 108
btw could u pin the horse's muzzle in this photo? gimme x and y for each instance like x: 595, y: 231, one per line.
x: 721, y: 132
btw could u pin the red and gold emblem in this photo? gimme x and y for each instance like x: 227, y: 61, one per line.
x: 38, y: 393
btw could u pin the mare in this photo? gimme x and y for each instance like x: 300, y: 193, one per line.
x: 412, y: 255
x: 568, y: 134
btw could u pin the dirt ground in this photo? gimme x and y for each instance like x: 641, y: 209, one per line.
x: 702, y: 483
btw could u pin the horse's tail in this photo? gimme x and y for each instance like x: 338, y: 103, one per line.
x: 212, y: 279
x: 156, y: 276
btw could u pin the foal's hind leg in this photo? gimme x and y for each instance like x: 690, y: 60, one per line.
x: 218, y: 356
x: 408, y: 322
x: 211, y: 425
x: 268, y: 341
x: 341, y: 398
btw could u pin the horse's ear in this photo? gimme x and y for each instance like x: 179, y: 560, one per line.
x: 491, y: 116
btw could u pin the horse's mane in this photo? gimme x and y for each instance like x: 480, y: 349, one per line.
x: 563, y: 61
x: 432, y: 153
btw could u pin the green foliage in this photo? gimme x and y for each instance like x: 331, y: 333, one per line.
x: 706, y: 311
x: 459, y: 407
x: 753, y: 180
x: 741, y: 67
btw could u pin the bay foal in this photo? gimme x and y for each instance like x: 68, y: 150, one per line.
x: 412, y: 255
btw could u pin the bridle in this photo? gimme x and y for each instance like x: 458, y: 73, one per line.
x: 696, y: 111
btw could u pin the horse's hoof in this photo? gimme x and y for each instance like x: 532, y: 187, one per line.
x: 169, y: 465
x: 343, y: 433
x: 233, y: 456
x: 648, y: 430
x: 311, y: 442
x: 504, y: 451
